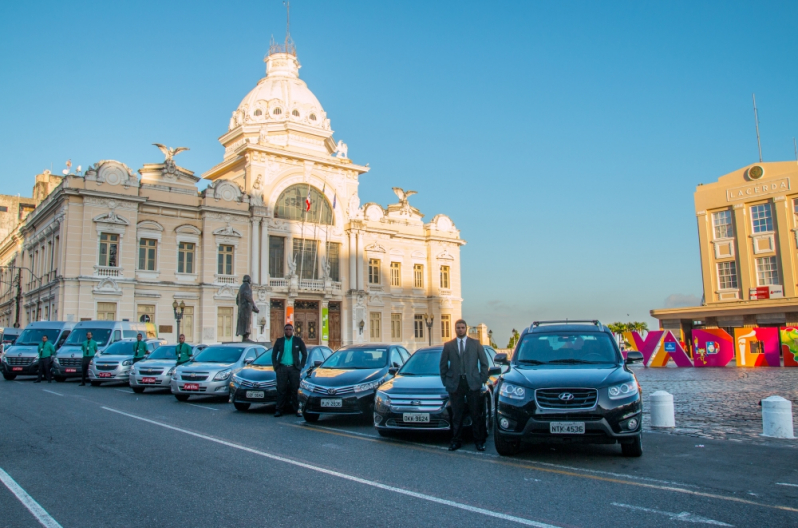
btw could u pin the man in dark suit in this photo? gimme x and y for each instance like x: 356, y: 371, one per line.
x: 289, y: 355
x: 464, y: 369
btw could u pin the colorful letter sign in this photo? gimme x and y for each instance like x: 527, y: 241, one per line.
x: 712, y: 347
x: 757, y: 347
x: 789, y: 345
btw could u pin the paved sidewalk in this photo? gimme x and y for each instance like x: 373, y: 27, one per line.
x: 720, y: 403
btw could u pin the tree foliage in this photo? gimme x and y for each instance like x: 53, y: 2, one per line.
x: 513, y: 339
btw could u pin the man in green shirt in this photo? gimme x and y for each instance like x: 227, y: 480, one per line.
x: 183, y: 351
x: 46, y: 351
x: 89, y: 348
x: 289, y: 355
x: 139, y: 349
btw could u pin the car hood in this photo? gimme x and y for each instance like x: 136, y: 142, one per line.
x: 257, y: 373
x: 567, y: 376
x: 343, y: 377
x: 204, y: 366
x: 148, y: 363
x: 68, y: 350
x: 25, y: 350
x: 414, y: 384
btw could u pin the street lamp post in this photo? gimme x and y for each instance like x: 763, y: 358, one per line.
x: 490, y: 337
x: 178, y: 309
x: 428, y: 322
x: 19, y: 287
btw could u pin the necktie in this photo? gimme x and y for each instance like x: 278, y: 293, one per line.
x: 462, y: 365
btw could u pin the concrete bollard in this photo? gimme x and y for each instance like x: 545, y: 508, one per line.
x: 662, y: 414
x: 777, y: 417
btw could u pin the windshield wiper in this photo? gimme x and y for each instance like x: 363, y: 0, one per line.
x: 532, y: 361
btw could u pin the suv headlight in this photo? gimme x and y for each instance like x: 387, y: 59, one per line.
x: 512, y: 391
x: 223, y: 375
x: 367, y: 386
x: 623, y: 390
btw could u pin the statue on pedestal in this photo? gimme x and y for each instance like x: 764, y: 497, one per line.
x: 246, y: 305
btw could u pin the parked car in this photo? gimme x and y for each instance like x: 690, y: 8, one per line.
x: 257, y: 382
x: 10, y: 335
x: 209, y: 372
x: 347, y: 381
x: 68, y: 361
x: 22, y: 358
x: 156, y: 369
x: 568, y: 383
x: 116, y: 361
x: 417, y: 400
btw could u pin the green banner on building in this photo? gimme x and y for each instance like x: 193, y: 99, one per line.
x: 325, y: 324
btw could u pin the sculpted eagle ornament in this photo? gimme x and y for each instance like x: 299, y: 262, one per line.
x: 403, y: 195
x: 170, y: 153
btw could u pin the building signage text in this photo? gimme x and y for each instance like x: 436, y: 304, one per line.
x: 757, y: 189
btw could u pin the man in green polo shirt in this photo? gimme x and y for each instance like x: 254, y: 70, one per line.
x: 89, y: 348
x: 183, y: 351
x: 46, y: 352
x: 139, y: 349
x: 289, y: 355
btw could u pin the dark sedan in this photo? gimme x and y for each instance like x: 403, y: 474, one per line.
x: 416, y: 399
x: 257, y: 383
x: 347, y: 381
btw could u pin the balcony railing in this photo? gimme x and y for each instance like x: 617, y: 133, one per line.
x: 224, y: 279
x: 336, y: 287
x: 278, y: 283
x: 445, y: 292
x: 107, y: 271
x: 311, y: 285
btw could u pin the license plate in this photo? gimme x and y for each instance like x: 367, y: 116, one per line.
x: 335, y: 402
x: 105, y: 374
x: 415, y: 417
x: 191, y: 387
x: 71, y: 370
x: 148, y: 380
x: 16, y: 368
x: 567, y: 428
x: 256, y: 395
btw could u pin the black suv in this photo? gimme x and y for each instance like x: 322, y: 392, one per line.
x: 568, y: 382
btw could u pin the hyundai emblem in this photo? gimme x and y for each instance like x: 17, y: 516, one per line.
x: 566, y: 396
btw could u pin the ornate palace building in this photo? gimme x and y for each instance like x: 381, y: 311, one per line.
x: 114, y: 244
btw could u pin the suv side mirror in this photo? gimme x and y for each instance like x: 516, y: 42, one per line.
x: 500, y: 359
x: 633, y: 356
x: 393, y: 370
x: 495, y: 371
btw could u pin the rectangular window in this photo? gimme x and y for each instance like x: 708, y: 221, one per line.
x: 3, y: 209
x: 445, y: 277
x: 418, y: 326
x: 187, y: 324
x: 306, y: 258
x: 185, y: 257
x: 446, y: 326
x: 145, y: 313
x: 767, y: 271
x: 106, y: 311
x: 224, y: 326
x: 396, y: 274
x: 722, y: 220
x: 418, y: 275
x: 334, y: 260
x: 374, y: 271
x: 225, y: 260
x: 147, y: 249
x: 276, y: 257
x: 375, y: 322
x: 396, y: 327
x: 109, y: 249
x: 727, y: 275
x: 761, y: 218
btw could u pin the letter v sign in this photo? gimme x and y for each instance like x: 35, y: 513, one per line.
x: 648, y: 346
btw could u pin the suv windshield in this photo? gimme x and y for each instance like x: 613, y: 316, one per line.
x: 265, y: 359
x: 427, y: 363
x: 120, y: 348
x: 219, y: 354
x: 33, y: 336
x: 564, y: 348
x: 164, y: 352
x: 358, y: 358
x: 78, y: 336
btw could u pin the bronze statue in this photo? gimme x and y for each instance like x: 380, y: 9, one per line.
x: 246, y: 305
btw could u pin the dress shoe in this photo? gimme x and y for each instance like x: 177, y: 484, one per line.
x: 454, y: 446
x: 277, y: 414
x: 480, y: 446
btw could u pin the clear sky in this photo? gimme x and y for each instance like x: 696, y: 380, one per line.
x: 565, y: 139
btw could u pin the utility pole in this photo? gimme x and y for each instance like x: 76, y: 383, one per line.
x: 756, y: 121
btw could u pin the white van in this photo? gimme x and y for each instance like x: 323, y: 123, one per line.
x: 22, y: 358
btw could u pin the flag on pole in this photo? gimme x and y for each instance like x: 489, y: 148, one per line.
x: 307, y: 200
x: 335, y: 199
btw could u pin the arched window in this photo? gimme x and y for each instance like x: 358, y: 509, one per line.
x: 295, y: 113
x: 291, y: 205
x: 258, y: 112
x: 312, y: 117
x: 277, y: 111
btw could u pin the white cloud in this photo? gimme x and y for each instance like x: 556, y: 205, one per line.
x: 678, y: 300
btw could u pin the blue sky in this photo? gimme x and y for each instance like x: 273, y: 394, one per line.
x: 565, y: 139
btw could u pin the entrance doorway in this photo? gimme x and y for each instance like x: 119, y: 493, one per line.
x: 306, y: 321
x: 334, y: 322
x: 277, y: 320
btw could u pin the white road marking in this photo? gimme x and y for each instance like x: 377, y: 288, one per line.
x: 352, y: 478
x: 53, y: 392
x: 124, y: 390
x: 786, y: 484
x: 40, y: 513
x: 683, y: 516
x: 19, y: 382
x: 202, y: 407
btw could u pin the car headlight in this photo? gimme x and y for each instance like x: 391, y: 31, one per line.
x: 223, y: 375
x: 170, y: 371
x: 35, y: 360
x: 623, y: 390
x: 127, y: 362
x: 512, y: 391
x: 56, y: 362
x: 382, y: 403
x: 305, y: 384
x: 367, y: 386
x: 236, y: 379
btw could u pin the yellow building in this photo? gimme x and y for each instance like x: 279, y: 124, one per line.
x: 748, y: 237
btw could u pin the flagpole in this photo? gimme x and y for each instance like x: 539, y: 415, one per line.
x: 314, y: 230
x: 302, y: 250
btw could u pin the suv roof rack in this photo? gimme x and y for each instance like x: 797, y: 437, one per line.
x: 596, y: 322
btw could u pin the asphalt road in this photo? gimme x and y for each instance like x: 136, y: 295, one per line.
x: 103, y: 456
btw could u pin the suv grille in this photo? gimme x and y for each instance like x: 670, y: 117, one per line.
x: 19, y: 361
x: 71, y: 362
x: 566, y: 398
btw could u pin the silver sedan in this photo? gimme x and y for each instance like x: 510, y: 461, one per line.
x: 115, y: 362
x: 208, y: 373
x: 156, y: 369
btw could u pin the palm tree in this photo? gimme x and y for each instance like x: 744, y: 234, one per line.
x: 618, y: 329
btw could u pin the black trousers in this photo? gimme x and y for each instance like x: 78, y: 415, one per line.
x: 44, y: 369
x: 84, y: 370
x: 287, y: 387
x: 462, y: 398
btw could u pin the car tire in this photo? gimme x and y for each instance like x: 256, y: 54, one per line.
x: 9, y: 377
x: 181, y: 397
x: 138, y: 390
x: 242, y: 406
x: 310, y: 417
x: 634, y: 448
x: 59, y: 379
x: 96, y: 383
x: 504, y: 447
